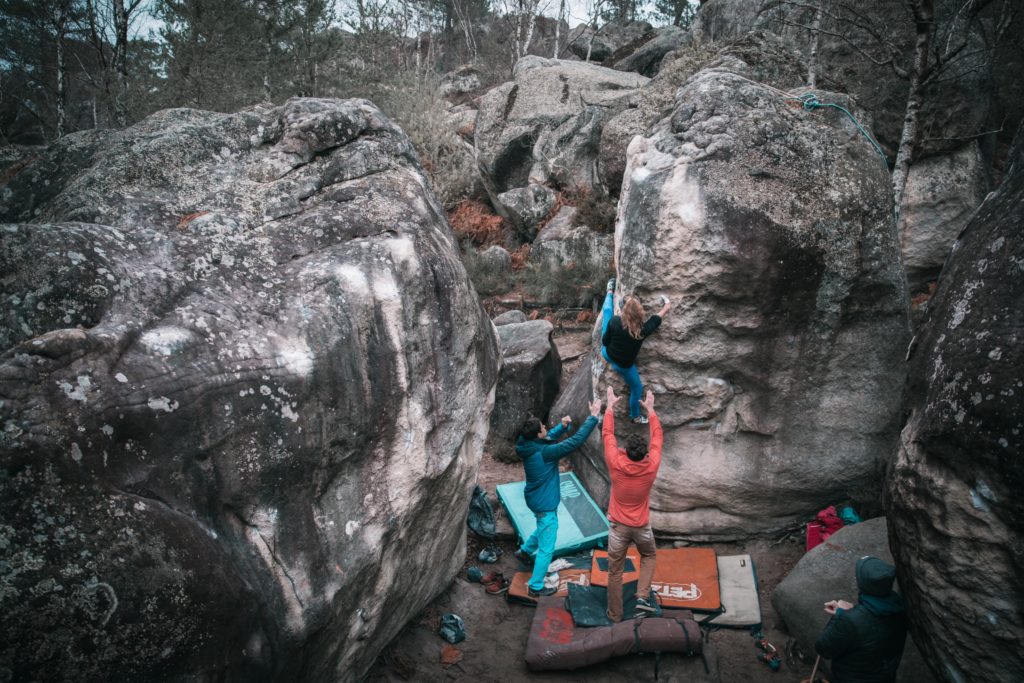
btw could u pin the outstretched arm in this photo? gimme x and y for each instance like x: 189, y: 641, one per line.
x: 611, y: 447
x: 564, y: 448
x: 657, y: 438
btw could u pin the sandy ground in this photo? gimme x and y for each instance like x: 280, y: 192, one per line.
x: 497, y: 630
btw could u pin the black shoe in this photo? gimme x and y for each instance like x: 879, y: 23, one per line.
x: 524, y: 558
x: 645, y: 606
x: 543, y: 591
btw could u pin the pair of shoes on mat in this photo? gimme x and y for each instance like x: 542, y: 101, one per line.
x: 640, y: 420
x: 543, y: 591
x: 524, y: 557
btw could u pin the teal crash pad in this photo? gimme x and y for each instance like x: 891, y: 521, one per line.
x: 581, y: 524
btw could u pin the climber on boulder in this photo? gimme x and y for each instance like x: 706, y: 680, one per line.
x: 621, y: 339
x: 540, y: 453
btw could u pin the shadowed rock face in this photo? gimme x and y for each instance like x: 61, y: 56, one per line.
x: 245, y: 385
x: 527, y: 384
x: 778, y: 373
x: 955, y: 510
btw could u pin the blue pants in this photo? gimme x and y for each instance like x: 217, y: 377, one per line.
x: 542, y: 542
x: 630, y: 374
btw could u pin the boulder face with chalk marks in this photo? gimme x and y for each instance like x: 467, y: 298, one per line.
x: 220, y: 458
x: 778, y: 373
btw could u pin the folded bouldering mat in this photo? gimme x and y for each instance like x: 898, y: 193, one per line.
x: 519, y: 589
x: 581, y: 524
x: 683, y: 577
x: 737, y: 581
x: 555, y: 643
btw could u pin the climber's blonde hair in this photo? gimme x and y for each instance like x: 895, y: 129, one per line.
x: 632, y: 316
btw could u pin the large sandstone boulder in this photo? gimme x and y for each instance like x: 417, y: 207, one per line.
x: 759, y: 55
x: 604, y: 41
x: 530, y: 373
x: 246, y: 384
x: 778, y: 374
x: 564, y: 245
x: 956, y: 514
x: 941, y: 194
x: 827, y: 573
x: 646, y: 59
x: 544, y: 127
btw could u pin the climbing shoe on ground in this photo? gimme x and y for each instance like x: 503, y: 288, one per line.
x: 475, y: 574
x: 543, y: 591
x: 645, y: 606
x: 491, y: 577
x: 524, y: 558
x: 490, y: 554
x: 498, y: 587
x: 611, y: 285
x: 640, y: 420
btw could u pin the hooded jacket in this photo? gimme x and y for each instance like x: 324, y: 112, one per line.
x: 866, y: 643
x: 540, y: 460
x: 630, y: 500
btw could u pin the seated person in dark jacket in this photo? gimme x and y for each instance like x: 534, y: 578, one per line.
x: 540, y: 453
x: 865, y: 643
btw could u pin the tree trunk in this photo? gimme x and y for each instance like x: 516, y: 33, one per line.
x: 924, y: 22
x: 268, y: 53
x: 529, y: 27
x: 558, y: 26
x: 812, y: 62
x: 120, y: 62
x: 62, y: 22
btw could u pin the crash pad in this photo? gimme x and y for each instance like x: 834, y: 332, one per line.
x: 519, y: 589
x: 581, y: 524
x: 589, y: 604
x: 737, y: 581
x: 683, y: 577
x: 555, y: 643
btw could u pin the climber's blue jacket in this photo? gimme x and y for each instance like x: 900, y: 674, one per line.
x: 540, y: 460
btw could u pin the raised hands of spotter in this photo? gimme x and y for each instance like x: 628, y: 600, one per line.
x: 595, y: 408
x: 648, y: 403
x: 611, y: 398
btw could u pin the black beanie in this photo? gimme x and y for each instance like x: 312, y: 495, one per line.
x: 874, y: 576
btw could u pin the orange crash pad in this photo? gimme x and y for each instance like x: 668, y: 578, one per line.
x: 683, y: 577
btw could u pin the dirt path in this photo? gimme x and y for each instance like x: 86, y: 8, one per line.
x: 497, y: 630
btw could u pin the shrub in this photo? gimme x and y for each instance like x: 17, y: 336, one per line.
x: 414, y: 100
x: 474, y: 221
x: 594, y: 210
x: 576, y: 284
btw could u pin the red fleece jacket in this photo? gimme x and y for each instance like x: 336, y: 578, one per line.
x: 630, y: 502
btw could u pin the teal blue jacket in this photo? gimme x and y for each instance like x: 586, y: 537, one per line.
x: 540, y: 460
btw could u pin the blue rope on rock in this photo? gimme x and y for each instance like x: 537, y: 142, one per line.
x: 810, y: 101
